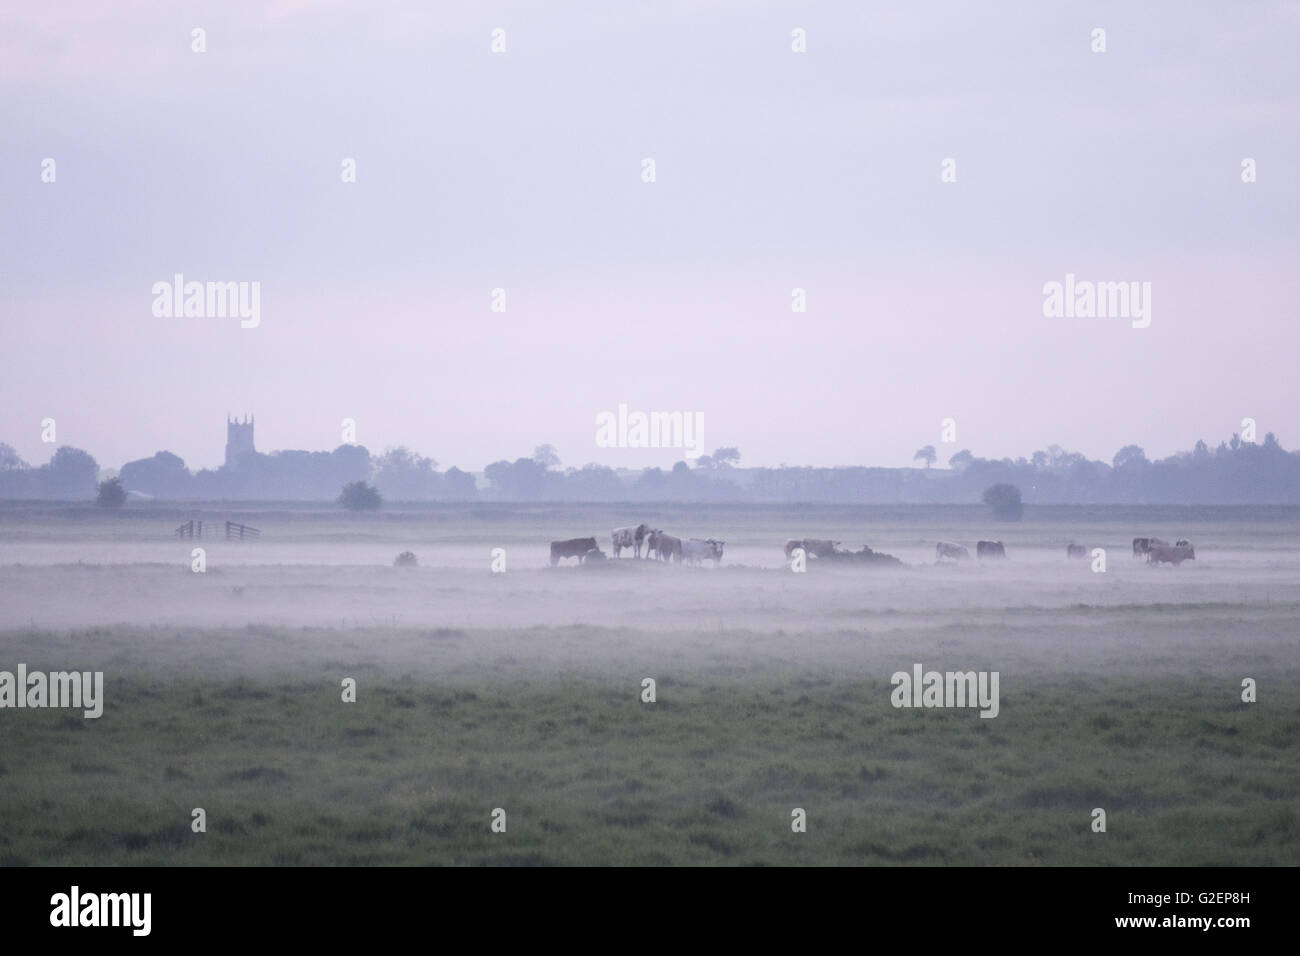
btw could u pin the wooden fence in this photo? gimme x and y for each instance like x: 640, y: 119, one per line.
x: 194, y: 529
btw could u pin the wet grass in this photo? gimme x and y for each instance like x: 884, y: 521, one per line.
x: 708, y: 774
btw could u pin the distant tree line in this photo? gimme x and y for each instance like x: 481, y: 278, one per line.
x: 1235, y: 472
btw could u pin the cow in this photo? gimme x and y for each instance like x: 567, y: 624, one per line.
x: 630, y: 538
x: 1142, y: 546
x: 1174, y: 554
x: 668, y: 548
x: 572, y: 548
x: 1075, y: 551
x: 652, y: 543
x: 945, y: 549
x: 695, y: 550
x: 817, y: 547
x: 990, y: 549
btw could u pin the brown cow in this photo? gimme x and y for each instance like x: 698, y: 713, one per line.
x: 669, y: 548
x: 1174, y: 554
x: 572, y: 548
x: 652, y: 543
x: 816, y: 547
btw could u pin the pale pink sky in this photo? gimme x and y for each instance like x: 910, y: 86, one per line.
x: 775, y: 170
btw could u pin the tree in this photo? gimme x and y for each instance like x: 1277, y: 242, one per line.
x: 71, y: 473
x: 927, y: 455
x: 10, y: 460
x: 1004, y: 499
x: 163, y: 475
x: 459, y: 485
x: 111, y: 494
x: 521, y: 480
x: 962, y: 460
x: 546, y: 456
x: 1129, y: 455
x: 359, y: 496
x: 403, y: 474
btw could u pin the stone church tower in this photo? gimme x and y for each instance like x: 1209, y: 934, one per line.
x: 239, y: 439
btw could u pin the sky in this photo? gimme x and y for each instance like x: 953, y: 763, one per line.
x: 523, y: 170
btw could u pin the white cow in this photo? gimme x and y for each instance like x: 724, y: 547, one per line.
x: 945, y: 549
x: 630, y: 538
x: 695, y: 550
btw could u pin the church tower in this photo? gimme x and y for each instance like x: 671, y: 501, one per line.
x: 239, y: 439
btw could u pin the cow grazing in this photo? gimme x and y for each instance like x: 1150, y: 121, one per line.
x: 630, y: 538
x: 990, y: 549
x: 1174, y: 554
x: 695, y: 550
x: 816, y: 547
x: 945, y: 549
x: 1075, y: 551
x: 572, y: 548
x: 668, y: 548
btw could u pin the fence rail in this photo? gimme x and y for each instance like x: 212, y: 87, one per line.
x: 240, y: 531
x: 234, y: 530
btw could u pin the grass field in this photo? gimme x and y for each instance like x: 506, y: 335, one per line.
x: 522, y: 692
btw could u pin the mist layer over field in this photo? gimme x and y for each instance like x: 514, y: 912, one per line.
x: 521, y: 690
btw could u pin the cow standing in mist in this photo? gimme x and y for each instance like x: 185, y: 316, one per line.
x: 1174, y: 554
x: 630, y: 538
x: 668, y: 548
x: 695, y: 550
x: 816, y: 547
x: 572, y: 548
x: 652, y: 543
x: 990, y: 549
x: 946, y: 549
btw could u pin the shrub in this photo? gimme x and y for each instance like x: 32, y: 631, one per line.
x: 359, y: 496
x: 111, y: 494
x: 1004, y: 499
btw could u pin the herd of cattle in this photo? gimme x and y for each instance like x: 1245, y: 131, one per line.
x: 658, y: 545
x: 1153, y: 549
x: 666, y: 547
x: 1157, y: 551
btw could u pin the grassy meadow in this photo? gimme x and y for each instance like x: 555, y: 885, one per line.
x: 223, y: 692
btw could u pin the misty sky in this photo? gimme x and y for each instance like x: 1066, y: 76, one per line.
x: 523, y: 171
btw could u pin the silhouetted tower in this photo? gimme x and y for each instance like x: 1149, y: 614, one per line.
x: 239, y: 439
